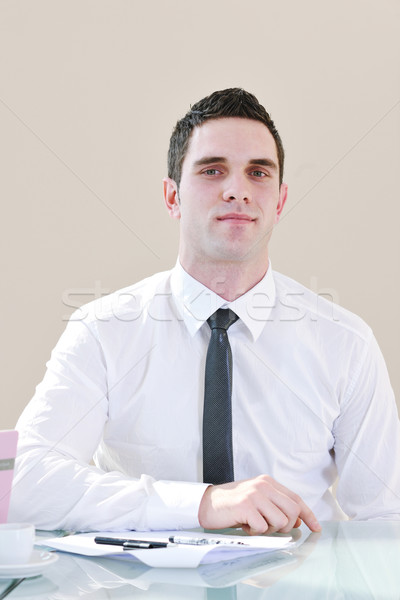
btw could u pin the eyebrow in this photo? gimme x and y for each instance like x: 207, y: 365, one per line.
x: 209, y: 159
x: 264, y: 162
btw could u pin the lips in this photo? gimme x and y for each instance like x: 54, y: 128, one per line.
x: 238, y: 217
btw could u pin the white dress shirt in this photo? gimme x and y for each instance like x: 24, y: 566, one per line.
x: 311, y: 400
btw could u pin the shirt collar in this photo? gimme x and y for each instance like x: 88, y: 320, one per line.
x: 196, y: 302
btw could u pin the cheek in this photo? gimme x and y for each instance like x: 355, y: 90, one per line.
x: 194, y: 207
x: 190, y: 217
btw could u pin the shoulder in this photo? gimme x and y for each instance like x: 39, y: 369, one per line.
x: 299, y: 303
x: 127, y: 303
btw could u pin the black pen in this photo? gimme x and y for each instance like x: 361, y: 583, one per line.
x: 128, y: 544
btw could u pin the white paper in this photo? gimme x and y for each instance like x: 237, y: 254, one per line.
x: 183, y: 556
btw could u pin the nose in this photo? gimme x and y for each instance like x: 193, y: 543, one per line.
x: 236, y: 189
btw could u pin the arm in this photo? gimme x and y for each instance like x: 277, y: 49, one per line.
x: 55, y: 485
x: 367, y: 442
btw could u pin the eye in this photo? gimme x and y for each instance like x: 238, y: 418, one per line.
x: 211, y: 171
x: 258, y: 174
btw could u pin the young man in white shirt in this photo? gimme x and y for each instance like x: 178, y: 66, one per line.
x: 126, y: 380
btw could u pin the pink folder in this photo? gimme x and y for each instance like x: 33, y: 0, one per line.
x: 8, y: 451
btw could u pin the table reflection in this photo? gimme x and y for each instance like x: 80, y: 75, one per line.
x: 352, y: 560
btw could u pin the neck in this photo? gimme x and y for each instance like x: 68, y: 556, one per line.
x: 228, y: 280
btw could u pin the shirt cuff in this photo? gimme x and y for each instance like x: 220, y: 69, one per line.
x: 174, y: 505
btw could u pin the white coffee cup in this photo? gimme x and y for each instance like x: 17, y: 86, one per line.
x: 16, y: 543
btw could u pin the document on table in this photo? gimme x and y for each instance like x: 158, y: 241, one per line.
x: 174, y: 555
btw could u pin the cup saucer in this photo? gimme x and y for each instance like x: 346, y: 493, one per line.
x: 39, y: 560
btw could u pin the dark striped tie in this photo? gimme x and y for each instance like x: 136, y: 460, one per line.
x: 217, y: 416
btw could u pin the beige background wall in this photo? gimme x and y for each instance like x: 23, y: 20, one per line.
x: 89, y: 93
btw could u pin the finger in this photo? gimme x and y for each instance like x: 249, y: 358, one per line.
x: 249, y: 531
x: 280, y: 511
x: 280, y: 515
x: 309, y: 518
x: 255, y: 523
x: 305, y: 513
x: 295, y: 525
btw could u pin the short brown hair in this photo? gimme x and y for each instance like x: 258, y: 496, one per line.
x: 232, y: 102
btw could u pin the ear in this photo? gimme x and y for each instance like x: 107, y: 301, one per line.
x: 171, y: 198
x: 283, y: 190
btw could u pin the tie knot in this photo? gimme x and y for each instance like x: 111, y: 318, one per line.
x: 223, y: 318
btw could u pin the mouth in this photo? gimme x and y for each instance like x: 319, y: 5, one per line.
x: 236, y: 218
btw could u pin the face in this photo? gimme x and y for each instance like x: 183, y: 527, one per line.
x: 229, y: 197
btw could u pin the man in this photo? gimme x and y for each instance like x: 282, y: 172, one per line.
x: 125, y: 384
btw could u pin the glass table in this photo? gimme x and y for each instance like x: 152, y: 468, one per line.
x: 347, y: 560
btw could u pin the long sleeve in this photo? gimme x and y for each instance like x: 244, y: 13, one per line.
x: 55, y: 485
x: 367, y: 442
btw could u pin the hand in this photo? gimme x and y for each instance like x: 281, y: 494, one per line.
x: 259, y: 505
